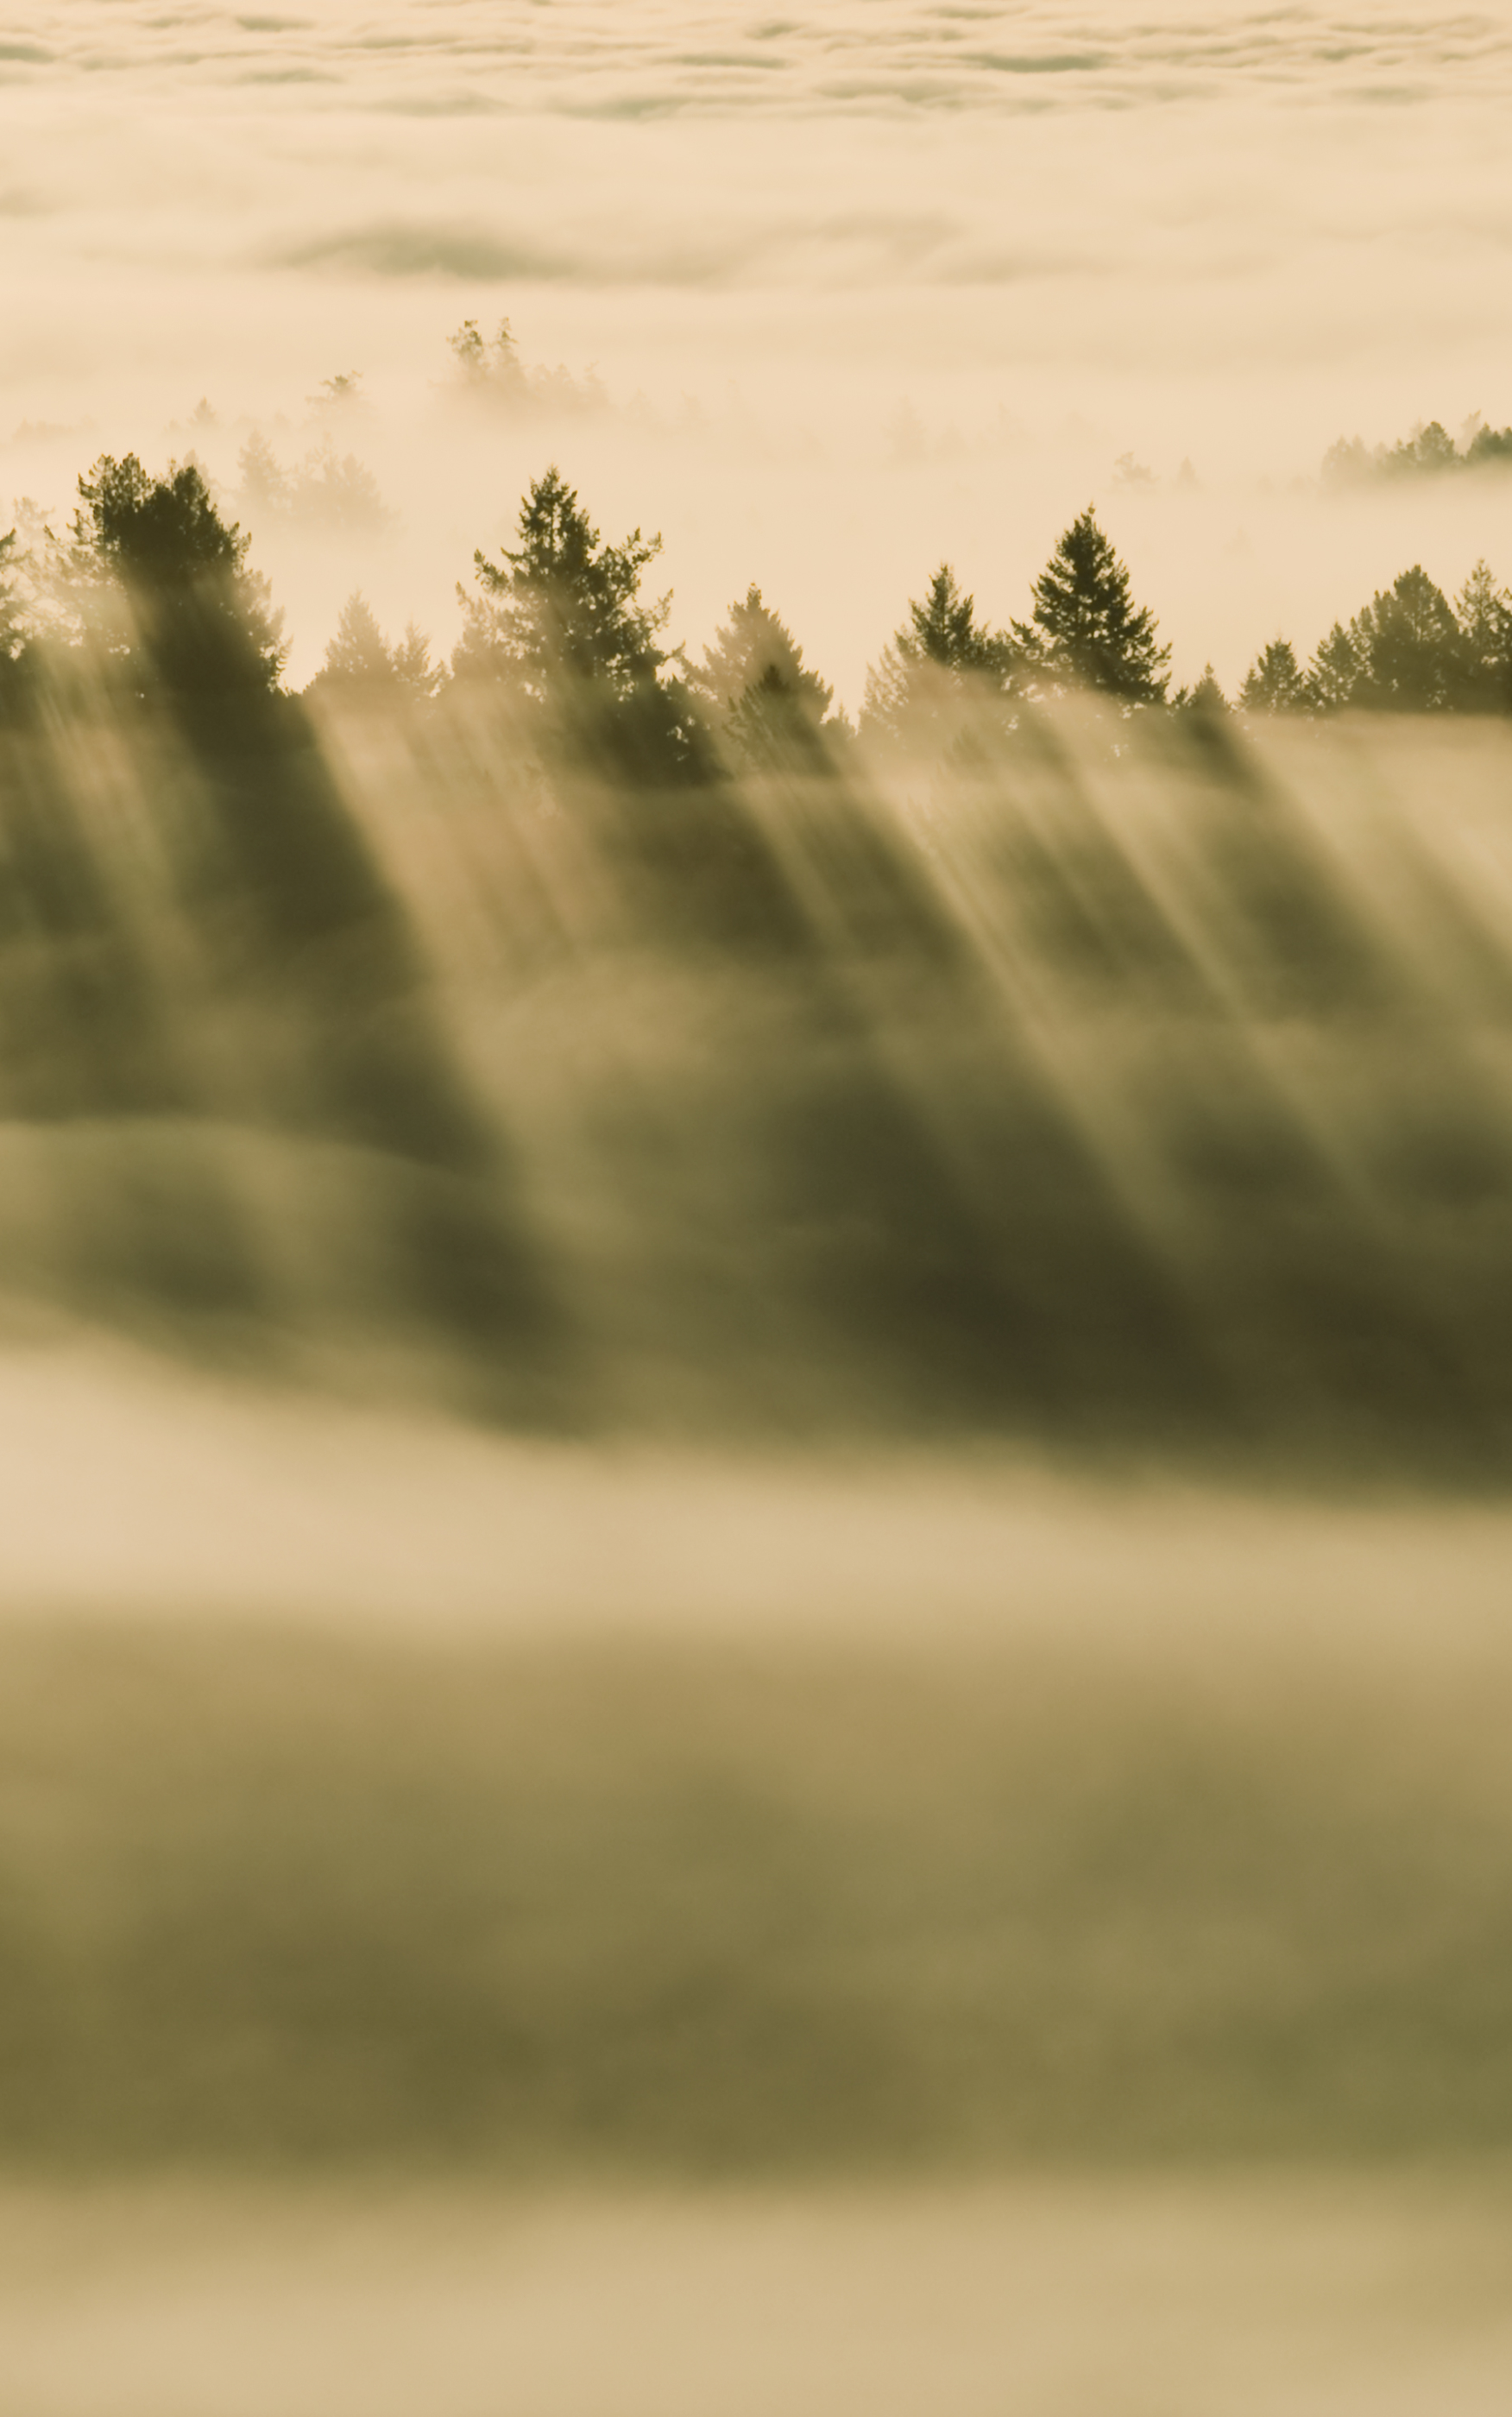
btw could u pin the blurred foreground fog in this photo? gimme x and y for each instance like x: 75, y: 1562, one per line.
x: 1130, y: 1088
x: 754, y: 1568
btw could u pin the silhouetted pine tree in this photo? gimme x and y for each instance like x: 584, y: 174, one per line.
x: 761, y: 693
x: 199, y: 624
x: 1409, y: 648
x: 560, y: 623
x: 941, y: 657
x: 15, y: 630
x: 1335, y: 674
x: 1483, y: 611
x: 1086, y: 630
x: 1204, y: 697
x: 1275, y: 683
x: 360, y: 662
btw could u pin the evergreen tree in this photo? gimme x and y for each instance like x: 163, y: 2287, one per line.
x: 561, y: 607
x: 940, y: 658
x: 1335, y: 674
x: 1275, y: 683
x: 489, y: 368
x: 758, y: 689
x: 359, y: 661
x: 1408, y: 647
x: 1205, y: 697
x: 1086, y: 630
x: 560, y: 623
x: 199, y: 623
x: 15, y: 631
x: 1483, y: 611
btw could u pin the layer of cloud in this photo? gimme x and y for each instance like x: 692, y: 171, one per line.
x: 599, y: 57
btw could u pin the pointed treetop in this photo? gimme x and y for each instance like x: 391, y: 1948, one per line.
x: 1275, y: 683
x: 1086, y: 630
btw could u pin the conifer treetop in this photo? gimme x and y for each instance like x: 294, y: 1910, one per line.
x: 1087, y: 630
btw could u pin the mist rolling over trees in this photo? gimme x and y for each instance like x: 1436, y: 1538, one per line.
x: 623, y: 1037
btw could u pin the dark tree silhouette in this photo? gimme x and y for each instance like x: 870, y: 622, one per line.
x: 562, y: 607
x: 1335, y: 672
x: 1205, y: 697
x: 1408, y: 647
x: 359, y: 661
x: 1483, y: 609
x: 1086, y: 630
x: 15, y: 629
x: 940, y: 656
x: 560, y: 622
x: 758, y: 689
x: 200, y: 624
x: 1275, y: 683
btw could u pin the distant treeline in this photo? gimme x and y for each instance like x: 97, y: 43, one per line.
x: 151, y: 585
x: 1426, y: 451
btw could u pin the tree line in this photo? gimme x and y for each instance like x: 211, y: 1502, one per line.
x: 150, y: 590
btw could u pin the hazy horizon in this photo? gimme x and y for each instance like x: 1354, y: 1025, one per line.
x: 885, y: 286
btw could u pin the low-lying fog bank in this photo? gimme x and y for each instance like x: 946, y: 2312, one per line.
x: 1231, y: 2297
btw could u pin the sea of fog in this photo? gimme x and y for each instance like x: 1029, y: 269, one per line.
x: 864, y: 288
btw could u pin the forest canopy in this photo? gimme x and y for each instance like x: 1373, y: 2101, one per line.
x: 151, y: 585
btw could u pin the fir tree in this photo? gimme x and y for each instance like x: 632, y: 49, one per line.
x: 1275, y: 683
x: 1086, y: 630
x: 1335, y: 674
x: 1483, y: 611
x: 941, y: 657
x: 200, y: 622
x: 360, y: 662
x: 560, y: 624
x: 1408, y: 647
x: 1205, y: 697
x: 561, y: 607
x: 15, y: 628
x: 760, y: 692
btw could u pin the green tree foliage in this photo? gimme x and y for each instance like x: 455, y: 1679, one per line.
x: 360, y: 662
x: 15, y: 628
x: 1205, y: 697
x: 560, y: 624
x: 1335, y: 672
x: 1408, y: 644
x: 198, y: 623
x: 941, y: 658
x: 758, y: 690
x: 561, y: 609
x: 1086, y: 630
x: 1275, y: 683
x: 1426, y: 451
x: 1410, y: 650
x: 1483, y: 609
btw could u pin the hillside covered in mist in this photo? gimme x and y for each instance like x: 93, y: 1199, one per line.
x: 594, y: 1036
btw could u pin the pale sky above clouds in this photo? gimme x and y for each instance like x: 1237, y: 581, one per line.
x: 1054, y: 233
